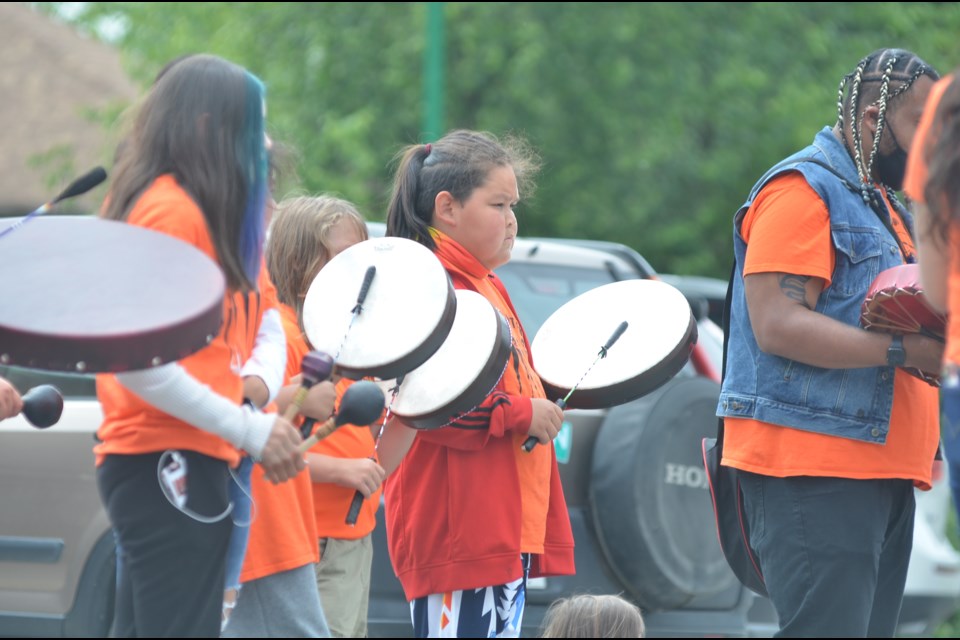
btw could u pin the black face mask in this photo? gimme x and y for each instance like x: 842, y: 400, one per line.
x: 892, y: 166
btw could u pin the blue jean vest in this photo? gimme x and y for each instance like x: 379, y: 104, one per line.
x: 851, y: 403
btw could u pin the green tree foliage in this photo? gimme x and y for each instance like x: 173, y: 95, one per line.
x: 653, y: 119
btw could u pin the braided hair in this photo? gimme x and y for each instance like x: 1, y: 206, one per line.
x: 879, y: 78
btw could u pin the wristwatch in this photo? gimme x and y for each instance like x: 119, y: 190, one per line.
x: 896, y: 356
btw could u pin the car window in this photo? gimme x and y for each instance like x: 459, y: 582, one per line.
x: 70, y: 385
x: 537, y: 290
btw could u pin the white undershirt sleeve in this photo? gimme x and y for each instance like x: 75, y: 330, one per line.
x: 269, y: 358
x: 174, y: 391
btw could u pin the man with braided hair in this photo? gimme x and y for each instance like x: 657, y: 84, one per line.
x: 828, y: 435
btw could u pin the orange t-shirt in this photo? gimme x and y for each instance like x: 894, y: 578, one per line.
x: 792, y: 229
x: 283, y: 534
x: 914, y: 184
x: 534, y: 468
x: 132, y: 426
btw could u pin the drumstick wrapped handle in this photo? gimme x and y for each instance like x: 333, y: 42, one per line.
x: 531, y: 442
x: 322, y: 432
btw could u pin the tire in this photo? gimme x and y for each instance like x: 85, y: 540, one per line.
x: 649, y: 497
x: 92, y: 612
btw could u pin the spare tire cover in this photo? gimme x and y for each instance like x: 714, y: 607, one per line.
x: 649, y: 497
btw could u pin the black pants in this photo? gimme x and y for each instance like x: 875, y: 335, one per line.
x: 833, y: 551
x: 171, y: 584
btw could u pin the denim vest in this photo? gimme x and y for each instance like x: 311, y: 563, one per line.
x: 851, y: 403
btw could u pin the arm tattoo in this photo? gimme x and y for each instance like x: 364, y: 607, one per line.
x: 795, y: 288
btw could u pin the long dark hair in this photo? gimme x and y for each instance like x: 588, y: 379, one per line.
x: 459, y: 162
x: 942, y: 152
x: 203, y: 122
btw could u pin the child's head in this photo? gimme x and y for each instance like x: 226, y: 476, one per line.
x: 466, y: 185
x: 591, y: 616
x: 203, y: 122
x: 306, y: 233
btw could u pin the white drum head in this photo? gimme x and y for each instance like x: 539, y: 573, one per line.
x: 407, y: 312
x: 660, y: 334
x: 462, y: 372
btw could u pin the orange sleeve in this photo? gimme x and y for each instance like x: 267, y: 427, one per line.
x: 787, y: 230
x: 915, y: 180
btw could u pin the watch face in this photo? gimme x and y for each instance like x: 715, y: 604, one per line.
x: 896, y: 356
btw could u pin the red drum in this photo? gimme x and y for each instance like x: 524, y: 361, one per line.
x: 462, y: 372
x: 568, y: 351
x: 86, y: 295
x: 895, y: 304
x: 406, y: 312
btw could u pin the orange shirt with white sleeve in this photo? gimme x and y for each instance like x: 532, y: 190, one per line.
x: 132, y: 426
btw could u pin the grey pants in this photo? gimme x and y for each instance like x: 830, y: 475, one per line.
x: 833, y: 551
x: 282, y: 605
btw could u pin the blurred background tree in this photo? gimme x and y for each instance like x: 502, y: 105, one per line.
x: 653, y: 119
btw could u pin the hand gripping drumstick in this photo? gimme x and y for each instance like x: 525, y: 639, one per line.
x: 79, y: 186
x: 354, y: 511
x: 361, y: 405
x: 531, y: 442
x: 316, y: 367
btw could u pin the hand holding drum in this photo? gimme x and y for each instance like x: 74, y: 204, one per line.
x: 532, y: 441
x: 315, y: 367
x: 895, y: 304
x: 663, y: 332
x: 362, y: 403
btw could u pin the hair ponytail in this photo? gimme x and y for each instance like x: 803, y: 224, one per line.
x: 407, y: 217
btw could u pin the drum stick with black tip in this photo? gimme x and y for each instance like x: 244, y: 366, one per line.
x: 358, y: 308
x: 354, y: 511
x: 43, y: 406
x: 531, y: 442
x: 316, y: 367
x: 362, y: 404
x: 79, y: 186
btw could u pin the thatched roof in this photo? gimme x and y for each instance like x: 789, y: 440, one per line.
x: 56, y: 86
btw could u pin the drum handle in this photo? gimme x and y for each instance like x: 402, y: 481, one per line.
x: 531, y: 442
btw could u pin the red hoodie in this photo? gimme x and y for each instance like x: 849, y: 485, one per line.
x: 466, y: 501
